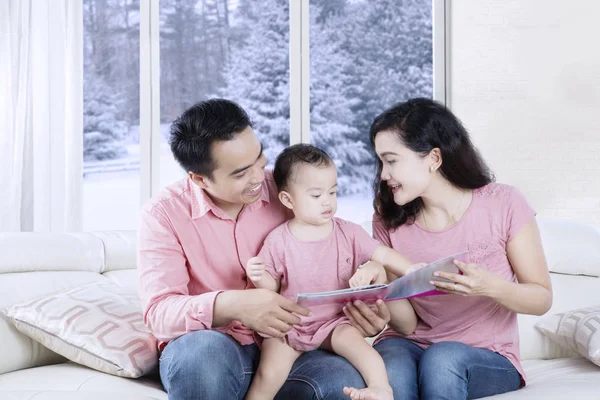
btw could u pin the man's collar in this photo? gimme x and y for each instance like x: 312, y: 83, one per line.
x: 202, y: 203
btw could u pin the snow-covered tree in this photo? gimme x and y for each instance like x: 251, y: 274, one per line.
x: 257, y: 74
x: 331, y: 103
x: 103, y: 131
x: 390, y: 44
x: 111, y: 48
x: 194, y: 47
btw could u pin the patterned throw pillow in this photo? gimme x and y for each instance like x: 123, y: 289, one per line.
x: 98, y: 325
x: 577, y: 330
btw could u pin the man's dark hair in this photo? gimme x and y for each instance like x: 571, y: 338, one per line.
x: 206, y: 122
x: 296, y: 154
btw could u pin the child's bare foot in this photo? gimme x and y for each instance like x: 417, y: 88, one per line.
x: 370, y: 393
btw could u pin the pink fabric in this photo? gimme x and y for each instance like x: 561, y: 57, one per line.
x: 189, y: 250
x: 316, y: 266
x: 496, y: 214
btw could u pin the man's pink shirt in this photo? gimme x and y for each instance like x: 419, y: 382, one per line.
x: 496, y: 214
x: 189, y: 251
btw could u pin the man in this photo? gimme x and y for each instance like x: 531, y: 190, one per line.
x: 195, y: 238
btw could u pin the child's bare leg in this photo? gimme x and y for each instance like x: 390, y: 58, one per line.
x: 346, y: 341
x: 276, y: 361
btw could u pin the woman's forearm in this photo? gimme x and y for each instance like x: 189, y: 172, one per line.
x: 522, y: 298
x: 395, y: 263
x: 403, y: 317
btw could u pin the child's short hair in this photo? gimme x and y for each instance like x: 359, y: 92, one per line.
x: 290, y: 157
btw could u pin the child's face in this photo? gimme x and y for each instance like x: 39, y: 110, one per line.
x: 312, y: 193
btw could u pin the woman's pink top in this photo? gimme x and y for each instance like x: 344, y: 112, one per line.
x: 496, y: 214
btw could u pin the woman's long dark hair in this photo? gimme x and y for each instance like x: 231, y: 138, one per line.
x: 422, y: 125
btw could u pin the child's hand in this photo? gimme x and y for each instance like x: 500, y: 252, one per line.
x: 255, y: 269
x: 371, y: 272
x: 415, y: 267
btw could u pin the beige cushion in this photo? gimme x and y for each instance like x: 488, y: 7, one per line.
x: 577, y: 330
x: 98, y: 325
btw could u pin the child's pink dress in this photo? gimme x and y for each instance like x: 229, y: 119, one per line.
x: 316, y: 266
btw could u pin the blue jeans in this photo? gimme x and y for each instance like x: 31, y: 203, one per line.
x: 445, y: 370
x: 212, y: 365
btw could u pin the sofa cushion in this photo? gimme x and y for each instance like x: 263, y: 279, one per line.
x: 70, y: 381
x: 99, y: 325
x: 578, y: 330
x: 57, y: 395
x: 126, y: 279
x: 573, y: 378
x: 547, y: 379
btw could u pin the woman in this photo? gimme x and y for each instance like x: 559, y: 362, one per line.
x: 434, y: 197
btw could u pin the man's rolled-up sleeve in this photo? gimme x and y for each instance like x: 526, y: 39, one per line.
x: 169, y: 310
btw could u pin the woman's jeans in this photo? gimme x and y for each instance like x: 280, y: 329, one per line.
x: 445, y: 370
x: 212, y: 365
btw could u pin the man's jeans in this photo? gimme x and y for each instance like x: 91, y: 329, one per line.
x: 445, y: 370
x: 211, y: 365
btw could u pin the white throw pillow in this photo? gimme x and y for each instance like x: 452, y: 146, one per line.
x: 98, y: 325
x: 577, y: 330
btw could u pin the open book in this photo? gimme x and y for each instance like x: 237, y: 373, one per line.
x: 414, y: 284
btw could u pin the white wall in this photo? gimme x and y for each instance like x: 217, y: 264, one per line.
x: 524, y: 77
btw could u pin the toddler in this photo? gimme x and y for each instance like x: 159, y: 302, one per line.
x: 316, y: 252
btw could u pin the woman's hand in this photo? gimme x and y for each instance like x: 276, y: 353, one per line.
x: 474, y: 281
x: 368, y: 320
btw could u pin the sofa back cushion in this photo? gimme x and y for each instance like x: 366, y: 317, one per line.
x: 33, y: 252
x: 570, y: 293
x: 572, y: 252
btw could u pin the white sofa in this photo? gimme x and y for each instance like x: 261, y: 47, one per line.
x: 33, y: 264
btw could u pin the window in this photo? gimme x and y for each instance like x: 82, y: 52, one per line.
x: 237, y: 50
x: 365, y: 55
x: 111, y: 144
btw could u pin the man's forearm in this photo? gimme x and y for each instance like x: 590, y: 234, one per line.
x: 226, y: 307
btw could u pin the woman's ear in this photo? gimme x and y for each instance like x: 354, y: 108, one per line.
x: 435, y: 159
x: 286, y: 199
x: 199, y: 180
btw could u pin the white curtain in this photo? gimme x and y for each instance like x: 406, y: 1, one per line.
x: 41, y: 115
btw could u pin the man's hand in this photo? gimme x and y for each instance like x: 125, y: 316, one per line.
x: 371, y: 272
x: 369, y: 322
x: 255, y: 269
x: 261, y: 310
